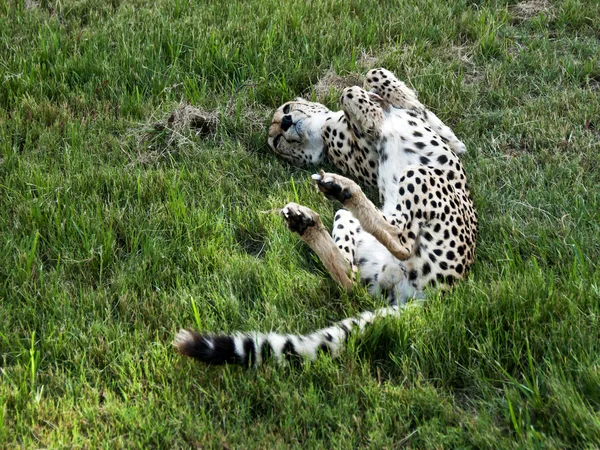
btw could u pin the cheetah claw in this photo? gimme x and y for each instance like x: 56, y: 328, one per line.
x: 299, y: 218
x: 334, y: 187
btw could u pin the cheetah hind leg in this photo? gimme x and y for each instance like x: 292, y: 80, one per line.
x: 384, y: 83
x: 364, y: 111
x: 349, y: 194
x: 308, y: 225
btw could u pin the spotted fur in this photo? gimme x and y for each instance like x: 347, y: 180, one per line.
x: 422, y: 237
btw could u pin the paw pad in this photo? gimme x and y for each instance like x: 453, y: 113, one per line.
x: 298, y: 218
x: 333, y: 186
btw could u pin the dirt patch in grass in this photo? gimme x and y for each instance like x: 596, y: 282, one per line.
x: 180, y: 129
x: 332, y: 83
x: 368, y: 60
x: 157, y: 138
x: 186, y: 118
x: 528, y: 9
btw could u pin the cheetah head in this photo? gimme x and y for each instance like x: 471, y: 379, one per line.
x: 295, y: 132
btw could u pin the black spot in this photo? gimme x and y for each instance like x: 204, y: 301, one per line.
x: 450, y: 255
x: 407, y: 204
x: 340, y: 227
x: 459, y: 268
x: 420, y: 145
x: 324, y: 348
x: 344, y: 328
x: 442, y: 159
x: 426, y: 269
x: 424, y: 188
x: 438, y: 252
x: 443, y: 265
x: 266, y: 351
x: 424, y: 160
x: 412, y: 275
x: 411, y: 188
x: 417, y: 134
x: 428, y: 236
x: 434, y: 143
x: 410, y: 173
x: 289, y: 349
x: 249, y: 351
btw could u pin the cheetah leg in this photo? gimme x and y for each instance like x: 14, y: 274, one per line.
x: 363, y: 111
x: 384, y: 83
x: 308, y: 225
x: 345, y: 232
x: 349, y: 194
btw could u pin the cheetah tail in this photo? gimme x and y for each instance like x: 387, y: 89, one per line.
x: 252, y: 349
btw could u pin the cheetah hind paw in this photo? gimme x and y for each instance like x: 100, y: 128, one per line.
x: 299, y: 218
x: 335, y: 187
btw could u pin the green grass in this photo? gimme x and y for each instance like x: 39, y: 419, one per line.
x: 110, y: 244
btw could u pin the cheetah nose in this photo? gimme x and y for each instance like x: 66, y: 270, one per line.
x: 286, y: 122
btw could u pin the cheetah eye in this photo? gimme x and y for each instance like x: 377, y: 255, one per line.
x: 286, y: 109
x: 276, y: 141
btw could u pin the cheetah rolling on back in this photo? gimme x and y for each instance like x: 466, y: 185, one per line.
x: 423, y: 236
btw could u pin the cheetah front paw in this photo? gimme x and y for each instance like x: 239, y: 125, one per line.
x: 299, y: 218
x: 336, y: 187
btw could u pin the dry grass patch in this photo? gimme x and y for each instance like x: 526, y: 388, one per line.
x: 528, y: 9
x: 155, y: 139
x: 332, y: 83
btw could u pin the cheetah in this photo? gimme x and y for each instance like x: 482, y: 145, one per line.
x: 423, y: 235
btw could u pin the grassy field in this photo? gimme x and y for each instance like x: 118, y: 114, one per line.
x: 114, y: 234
